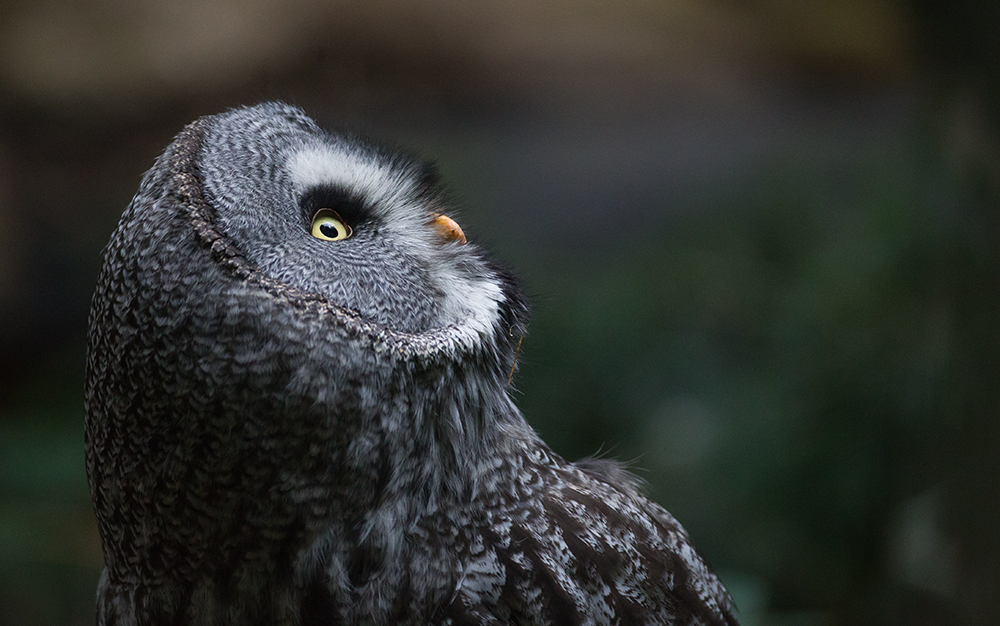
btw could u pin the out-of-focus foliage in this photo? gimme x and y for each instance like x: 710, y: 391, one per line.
x: 778, y: 363
x: 49, y: 549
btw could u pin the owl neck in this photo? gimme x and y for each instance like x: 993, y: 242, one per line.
x: 218, y: 444
x: 295, y: 472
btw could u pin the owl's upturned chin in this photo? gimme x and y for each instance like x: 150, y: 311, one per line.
x: 297, y: 410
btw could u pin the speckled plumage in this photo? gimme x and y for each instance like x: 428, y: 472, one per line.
x: 283, y: 430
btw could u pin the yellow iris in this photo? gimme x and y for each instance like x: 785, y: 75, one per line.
x: 328, y: 226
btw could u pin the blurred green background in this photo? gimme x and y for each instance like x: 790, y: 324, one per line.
x: 761, y: 237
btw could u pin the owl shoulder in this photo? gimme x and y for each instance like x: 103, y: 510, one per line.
x: 579, y: 544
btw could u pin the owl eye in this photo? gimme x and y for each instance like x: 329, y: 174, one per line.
x: 328, y: 226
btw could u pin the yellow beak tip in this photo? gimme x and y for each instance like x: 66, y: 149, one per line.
x: 448, y: 228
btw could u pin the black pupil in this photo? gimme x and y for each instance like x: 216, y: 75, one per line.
x: 329, y: 230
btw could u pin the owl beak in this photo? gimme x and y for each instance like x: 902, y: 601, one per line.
x: 448, y: 228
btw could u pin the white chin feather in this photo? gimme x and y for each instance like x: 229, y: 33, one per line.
x: 470, y: 302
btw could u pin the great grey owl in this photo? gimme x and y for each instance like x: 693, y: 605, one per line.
x: 297, y: 411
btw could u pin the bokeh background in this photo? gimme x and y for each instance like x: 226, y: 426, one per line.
x: 761, y: 237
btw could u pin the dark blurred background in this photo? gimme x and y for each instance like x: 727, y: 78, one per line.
x: 761, y: 237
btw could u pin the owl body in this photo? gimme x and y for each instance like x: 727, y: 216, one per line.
x: 286, y: 429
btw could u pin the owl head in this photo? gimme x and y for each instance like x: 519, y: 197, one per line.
x: 363, y: 227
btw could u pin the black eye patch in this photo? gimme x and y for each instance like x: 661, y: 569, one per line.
x: 351, y: 207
